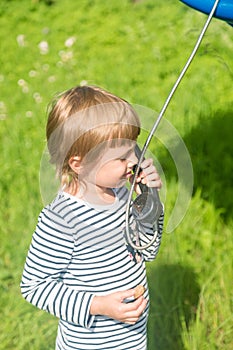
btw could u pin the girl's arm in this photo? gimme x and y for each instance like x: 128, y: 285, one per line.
x: 150, y: 177
x: 47, y: 260
x: 146, y: 233
x: 42, y: 282
x: 112, y: 305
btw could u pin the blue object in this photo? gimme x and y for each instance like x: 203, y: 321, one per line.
x: 224, y: 9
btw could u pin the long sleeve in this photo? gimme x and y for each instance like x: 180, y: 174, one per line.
x: 79, y: 251
x: 143, y: 232
x: 48, y: 258
x: 147, y: 232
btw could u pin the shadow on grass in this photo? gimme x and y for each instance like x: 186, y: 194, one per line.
x: 174, y: 294
x: 210, y: 145
x: 211, y: 148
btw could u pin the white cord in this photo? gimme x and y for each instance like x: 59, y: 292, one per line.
x: 156, y: 124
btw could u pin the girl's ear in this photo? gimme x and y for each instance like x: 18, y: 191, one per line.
x: 75, y: 164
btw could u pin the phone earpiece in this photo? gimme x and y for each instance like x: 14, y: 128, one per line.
x: 147, y: 206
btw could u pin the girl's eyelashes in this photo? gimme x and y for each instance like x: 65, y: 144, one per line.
x: 126, y: 155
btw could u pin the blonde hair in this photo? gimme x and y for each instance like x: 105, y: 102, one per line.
x: 82, y: 118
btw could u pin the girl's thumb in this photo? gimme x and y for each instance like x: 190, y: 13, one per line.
x: 127, y: 295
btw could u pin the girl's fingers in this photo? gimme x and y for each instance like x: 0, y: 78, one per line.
x: 146, y: 163
x: 136, y: 309
x: 148, y: 175
x: 152, y: 180
x: 148, y: 168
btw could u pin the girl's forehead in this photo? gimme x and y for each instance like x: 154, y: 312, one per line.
x: 119, y: 150
x: 109, y: 150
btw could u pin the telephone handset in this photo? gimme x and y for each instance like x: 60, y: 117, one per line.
x: 147, y: 206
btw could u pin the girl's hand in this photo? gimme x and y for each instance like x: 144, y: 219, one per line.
x: 113, y: 306
x: 149, y: 175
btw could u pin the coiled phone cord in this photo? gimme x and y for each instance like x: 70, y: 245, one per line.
x: 154, y: 128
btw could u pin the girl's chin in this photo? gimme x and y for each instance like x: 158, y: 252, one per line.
x: 121, y: 183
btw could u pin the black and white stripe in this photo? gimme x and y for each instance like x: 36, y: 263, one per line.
x: 79, y: 251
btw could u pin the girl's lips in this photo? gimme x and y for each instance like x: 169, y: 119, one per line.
x: 128, y: 174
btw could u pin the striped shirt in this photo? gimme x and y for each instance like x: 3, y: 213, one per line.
x: 78, y: 250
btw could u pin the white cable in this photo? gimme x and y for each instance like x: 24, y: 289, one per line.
x: 156, y: 124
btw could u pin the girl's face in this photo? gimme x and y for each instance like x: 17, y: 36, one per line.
x: 112, y: 169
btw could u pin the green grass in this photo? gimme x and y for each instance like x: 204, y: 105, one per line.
x: 136, y: 50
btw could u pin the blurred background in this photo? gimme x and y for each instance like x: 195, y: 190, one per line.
x: 135, y: 49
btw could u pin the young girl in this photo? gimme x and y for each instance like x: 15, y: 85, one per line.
x: 80, y: 267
